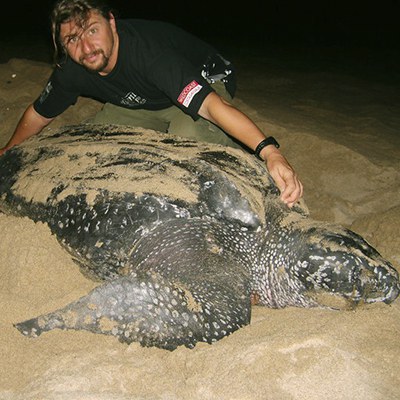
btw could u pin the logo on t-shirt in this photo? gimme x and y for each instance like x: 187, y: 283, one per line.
x: 188, y: 93
x: 131, y: 99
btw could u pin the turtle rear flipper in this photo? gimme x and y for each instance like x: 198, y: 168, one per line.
x: 30, y: 328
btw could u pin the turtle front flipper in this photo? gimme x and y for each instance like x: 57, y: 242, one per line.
x: 151, y: 310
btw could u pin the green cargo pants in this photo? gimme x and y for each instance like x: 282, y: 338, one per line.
x: 171, y: 120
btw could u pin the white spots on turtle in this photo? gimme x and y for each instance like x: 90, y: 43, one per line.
x: 143, y: 284
x: 167, y: 312
x: 181, y: 212
x: 152, y: 209
x: 208, y: 184
x: 69, y: 210
x: 216, y: 325
x: 315, y: 257
x: 124, y: 222
x: 129, y: 206
x: 331, y: 258
x: 301, y: 265
x: 108, y: 223
x: 339, y: 267
x: 97, y: 226
x: 114, y: 331
x: 185, y: 316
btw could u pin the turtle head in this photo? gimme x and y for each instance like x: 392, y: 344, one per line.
x: 315, y: 263
x: 338, y: 261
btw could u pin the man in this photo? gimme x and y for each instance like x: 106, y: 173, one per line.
x: 149, y: 74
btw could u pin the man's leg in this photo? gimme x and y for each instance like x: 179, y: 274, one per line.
x: 111, y: 114
x: 172, y: 120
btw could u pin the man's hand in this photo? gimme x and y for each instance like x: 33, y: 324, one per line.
x: 31, y: 123
x: 284, y: 176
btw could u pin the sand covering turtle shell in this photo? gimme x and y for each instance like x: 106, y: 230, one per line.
x: 75, y: 160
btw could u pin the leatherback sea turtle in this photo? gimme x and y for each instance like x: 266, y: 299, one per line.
x: 184, y: 236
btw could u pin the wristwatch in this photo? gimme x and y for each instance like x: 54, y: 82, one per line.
x: 264, y: 143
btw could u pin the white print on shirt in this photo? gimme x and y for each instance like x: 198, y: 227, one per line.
x: 188, y: 93
x: 46, y: 92
x: 132, y: 99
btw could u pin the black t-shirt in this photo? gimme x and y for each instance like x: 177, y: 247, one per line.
x: 158, y: 65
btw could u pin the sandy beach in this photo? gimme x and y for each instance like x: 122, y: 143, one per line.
x: 340, y: 130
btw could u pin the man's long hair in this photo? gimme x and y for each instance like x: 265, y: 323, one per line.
x: 77, y: 11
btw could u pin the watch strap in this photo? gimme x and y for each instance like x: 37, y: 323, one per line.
x: 264, y: 143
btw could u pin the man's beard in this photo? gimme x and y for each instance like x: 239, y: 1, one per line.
x: 96, y: 68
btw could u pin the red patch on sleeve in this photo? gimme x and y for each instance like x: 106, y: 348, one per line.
x: 188, y: 93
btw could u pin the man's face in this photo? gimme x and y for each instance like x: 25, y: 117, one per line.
x: 93, y: 45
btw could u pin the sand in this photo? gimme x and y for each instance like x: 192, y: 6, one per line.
x: 340, y: 132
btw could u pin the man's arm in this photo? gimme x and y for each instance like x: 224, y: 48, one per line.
x: 30, y: 124
x: 235, y: 123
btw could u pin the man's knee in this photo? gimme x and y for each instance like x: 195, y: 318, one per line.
x: 111, y: 114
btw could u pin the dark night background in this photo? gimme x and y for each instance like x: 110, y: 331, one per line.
x: 367, y: 32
